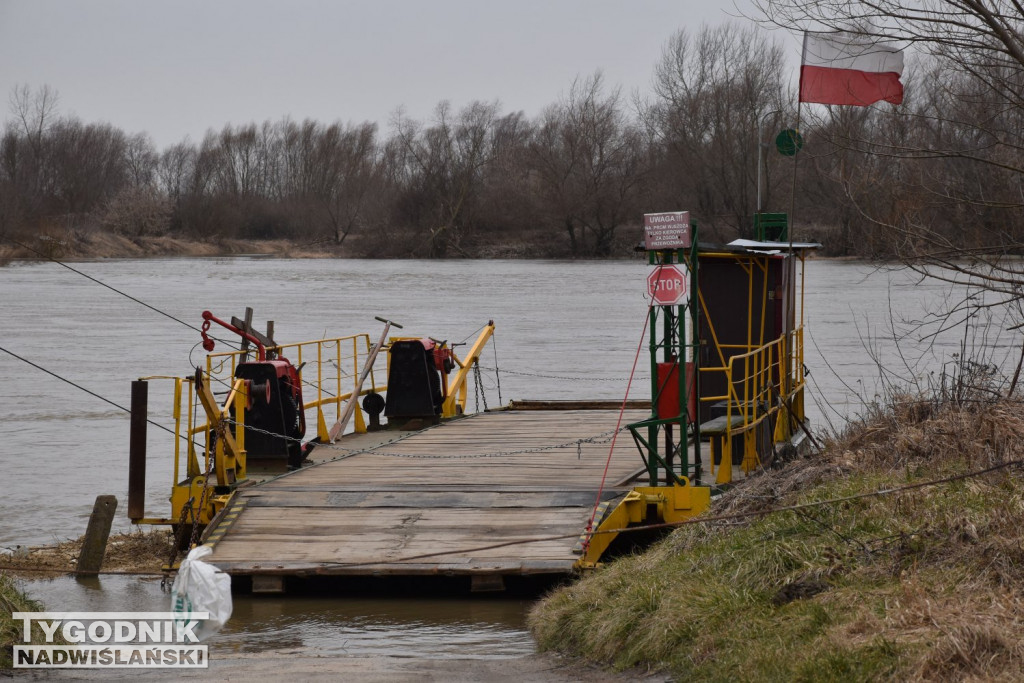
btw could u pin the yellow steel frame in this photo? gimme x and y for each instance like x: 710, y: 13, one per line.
x: 228, y: 454
x: 195, y: 493
x: 645, y: 505
x: 458, y: 389
x: 343, y: 355
x: 772, y: 380
x: 772, y: 371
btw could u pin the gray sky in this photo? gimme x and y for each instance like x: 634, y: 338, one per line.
x: 177, y: 68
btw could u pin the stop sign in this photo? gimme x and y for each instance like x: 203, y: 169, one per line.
x: 668, y: 285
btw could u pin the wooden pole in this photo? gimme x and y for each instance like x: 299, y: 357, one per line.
x: 94, y: 547
x: 137, y: 451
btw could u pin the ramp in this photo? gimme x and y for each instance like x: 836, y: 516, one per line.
x: 460, y: 498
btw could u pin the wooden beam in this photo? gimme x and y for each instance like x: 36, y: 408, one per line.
x: 94, y: 547
x: 265, y: 340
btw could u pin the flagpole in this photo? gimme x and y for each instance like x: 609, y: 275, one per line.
x: 796, y: 160
x: 796, y: 154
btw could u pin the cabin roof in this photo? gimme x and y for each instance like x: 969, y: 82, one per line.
x: 773, y: 247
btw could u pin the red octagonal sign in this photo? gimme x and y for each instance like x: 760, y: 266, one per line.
x: 668, y: 285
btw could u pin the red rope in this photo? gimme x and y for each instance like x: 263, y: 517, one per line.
x: 618, y: 425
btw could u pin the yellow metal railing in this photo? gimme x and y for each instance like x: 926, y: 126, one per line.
x: 187, y: 423
x: 338, y: 362
x: 329, y: 370
x: 761, y: 383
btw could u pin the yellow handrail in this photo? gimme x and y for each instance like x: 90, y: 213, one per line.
x: 759, y: 384
x: 337, y: 360
x: 458, y: 389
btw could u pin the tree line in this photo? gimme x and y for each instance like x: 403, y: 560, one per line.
x: 573, y: 181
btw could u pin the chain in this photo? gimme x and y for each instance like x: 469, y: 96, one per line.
x: 563, y: 377
x: 497, y: 373
x: 476, y: 388
x: 176, y: 541
x: 206, y: 489
x: 602, y: 438
x: 478, y: 385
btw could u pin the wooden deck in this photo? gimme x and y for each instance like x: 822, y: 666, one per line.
x: 441, y: 501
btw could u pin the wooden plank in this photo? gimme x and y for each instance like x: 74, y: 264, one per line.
x: 578, y: 405
x: 407, y: 569
x: 424, y: 499
x: 481, y: 481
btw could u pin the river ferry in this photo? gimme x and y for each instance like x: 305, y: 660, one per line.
x: 295, y: 461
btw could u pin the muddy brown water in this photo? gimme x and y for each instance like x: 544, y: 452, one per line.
x: 565, y: 330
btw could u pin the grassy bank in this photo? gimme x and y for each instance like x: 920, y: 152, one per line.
x: 924, y: 584
x: 12, y: 599
x: 140, y: 551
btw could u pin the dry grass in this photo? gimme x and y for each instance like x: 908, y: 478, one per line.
x: 72, y: 245
x: 132, y: 552
x: 923, y: 585
x: 12, y: 599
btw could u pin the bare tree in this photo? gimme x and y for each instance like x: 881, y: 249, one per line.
x: 23, y: 151
x: 141, y: 160
x: 34, y: 111
x: 353, y: 151
x: 963, y: 147
x: 444, y: 165
x: 86, y: 162
x: 590, y: 161
x: 713, y: 91
x: 175, y: 170
x: 137, y: 210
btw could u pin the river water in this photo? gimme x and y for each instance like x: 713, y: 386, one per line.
x: 564, y: 330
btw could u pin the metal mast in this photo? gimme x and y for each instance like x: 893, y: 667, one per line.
x: 671, y: 434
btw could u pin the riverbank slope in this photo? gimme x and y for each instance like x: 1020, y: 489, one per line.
x: 97, y: 244
x: 12, y: 599
x: 81, y: 245
x: 866, y: 580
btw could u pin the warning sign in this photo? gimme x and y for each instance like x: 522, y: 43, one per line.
x: 669, y: 230
x: 667, y: 284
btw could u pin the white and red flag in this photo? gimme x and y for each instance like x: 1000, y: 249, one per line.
x: 846, y: 68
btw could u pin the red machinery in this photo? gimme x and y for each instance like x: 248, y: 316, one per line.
x: 275, y: 422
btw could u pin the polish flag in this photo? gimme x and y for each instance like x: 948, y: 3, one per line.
x: 846, y: 68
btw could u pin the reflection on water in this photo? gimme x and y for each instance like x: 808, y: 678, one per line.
x: 466, y: 628
x: 396, y: 626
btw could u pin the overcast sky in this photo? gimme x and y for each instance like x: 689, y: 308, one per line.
x: 177, y: 68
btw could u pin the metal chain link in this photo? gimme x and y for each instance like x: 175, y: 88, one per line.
x: 563, y: 377
x: 603, y: 437
x: 206, y: 489
x: 165, y: 585
x: 478, y: 383
x: 497, y: 373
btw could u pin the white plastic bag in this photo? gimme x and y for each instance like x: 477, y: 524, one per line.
x: 201, y: 587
